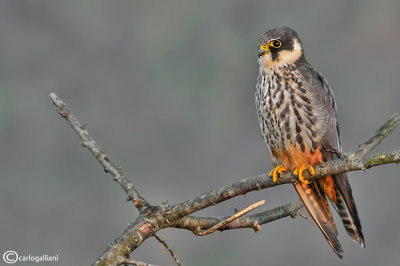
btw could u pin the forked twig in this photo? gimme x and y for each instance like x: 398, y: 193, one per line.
x: 136, y: 263
x: 169, y: 250
x: 230, y: 219
x: 97, y: 151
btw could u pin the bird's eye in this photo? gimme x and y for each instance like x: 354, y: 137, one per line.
x: 276, y: 44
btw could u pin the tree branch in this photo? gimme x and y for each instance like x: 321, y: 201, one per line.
x: 169, y: 250
x: 222, y: 223
x: 136, y: 263
x: 379, y: 135
x: 254, y: 221
x: 88, y: 142
x: 154, y: 218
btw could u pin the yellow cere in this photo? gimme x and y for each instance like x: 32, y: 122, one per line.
x: 265, y: 48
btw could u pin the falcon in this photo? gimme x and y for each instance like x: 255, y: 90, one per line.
x: 297, y: 116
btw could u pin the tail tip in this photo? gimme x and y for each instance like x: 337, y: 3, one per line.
x: 360, y: 240
x: 337, y: 248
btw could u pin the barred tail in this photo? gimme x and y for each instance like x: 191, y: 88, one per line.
x: 347, y: 210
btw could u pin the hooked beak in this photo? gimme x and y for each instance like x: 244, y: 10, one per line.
x: 264, y: 49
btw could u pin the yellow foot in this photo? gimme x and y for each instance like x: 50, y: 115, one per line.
x: 277, y: 171
x: 299, y: 172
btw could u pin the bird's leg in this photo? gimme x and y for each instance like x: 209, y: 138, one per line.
x: 300, y: 170
x: 276, y: 172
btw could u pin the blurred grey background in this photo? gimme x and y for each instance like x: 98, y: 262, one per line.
x: 167, y: 89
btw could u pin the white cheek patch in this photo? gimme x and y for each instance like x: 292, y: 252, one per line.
x: 284, y: 56
x: 288, y: 57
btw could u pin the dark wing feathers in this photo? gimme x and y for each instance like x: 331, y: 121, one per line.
x: 345, y: 204
x: 331, y: 149
x: 347, y: 209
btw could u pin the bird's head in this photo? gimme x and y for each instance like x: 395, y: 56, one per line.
x: 279, y: 46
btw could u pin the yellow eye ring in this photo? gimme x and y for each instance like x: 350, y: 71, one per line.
x: 275, y: 43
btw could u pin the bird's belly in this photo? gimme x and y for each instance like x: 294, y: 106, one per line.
x: 288, y: 121
x: 289, y: 139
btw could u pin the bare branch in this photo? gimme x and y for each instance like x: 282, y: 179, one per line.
x: 248, y: 221
x: 99, y: 154
x: 379, y: 135
x: 136, y: 263
x: 169, y: 250
x: 227, y: 220
x: 139, y: 230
